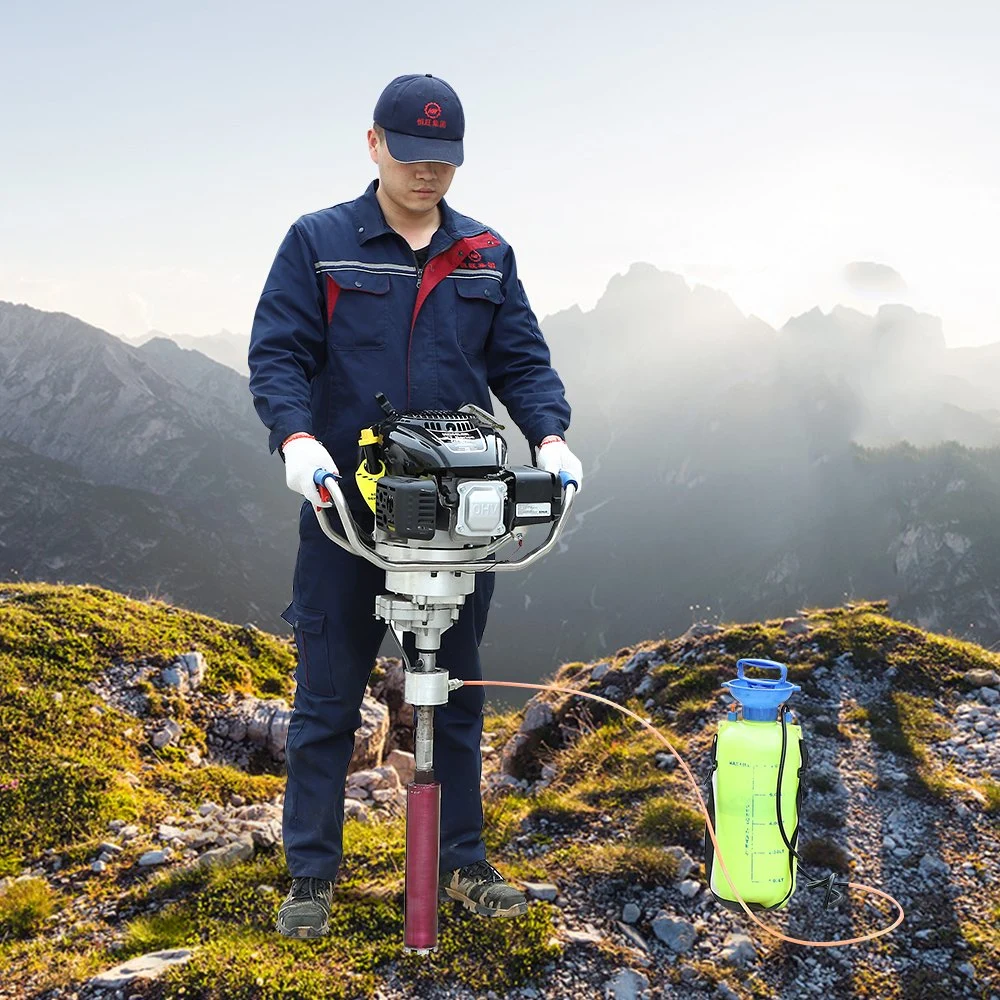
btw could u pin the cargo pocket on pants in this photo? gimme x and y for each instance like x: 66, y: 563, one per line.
x: 309, y: 625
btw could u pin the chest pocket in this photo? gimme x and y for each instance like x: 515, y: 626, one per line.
x: 476, y: 301
x: 358, y: 305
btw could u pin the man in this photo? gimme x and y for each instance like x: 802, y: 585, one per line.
x: 393, y: 292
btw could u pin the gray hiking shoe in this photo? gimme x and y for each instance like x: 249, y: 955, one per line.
x: 481, y: 888
x: 306, y: 909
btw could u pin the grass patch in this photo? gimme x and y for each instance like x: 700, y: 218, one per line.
x: 618, y: 748
x: 677, y: 683
x: 25, y: 906
x: 820, y: 781
x: 666, y: 820
x: 755, y: 640
x: 925, y: 661
x: 905, y: 723
x: 827, y: 819
x: 213, y: 782
x: 991, y: 792
x: 824, y: 853
x: 71, y: 765
x: 48, y: 962
x: 642, y: 863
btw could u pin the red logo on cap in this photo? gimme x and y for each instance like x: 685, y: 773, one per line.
x: 475, y: 255
x: 432, y: 109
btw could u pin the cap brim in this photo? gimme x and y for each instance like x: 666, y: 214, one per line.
x: 418, y: 149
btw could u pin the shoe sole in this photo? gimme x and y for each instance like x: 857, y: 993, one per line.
x: 517, y: 909
x: 302, y: 932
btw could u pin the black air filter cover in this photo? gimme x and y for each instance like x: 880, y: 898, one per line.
x: 406, y: 507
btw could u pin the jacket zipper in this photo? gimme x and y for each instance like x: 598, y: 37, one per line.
x: 420, y: 270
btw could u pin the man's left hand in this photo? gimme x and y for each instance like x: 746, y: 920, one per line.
x: 553, y: 455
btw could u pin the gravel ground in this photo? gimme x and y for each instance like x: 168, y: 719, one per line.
x: 938, y: 856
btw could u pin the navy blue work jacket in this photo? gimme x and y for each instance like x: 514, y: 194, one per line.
x: 345, y: 313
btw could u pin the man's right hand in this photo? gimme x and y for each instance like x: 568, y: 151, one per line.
x: 303, y: 456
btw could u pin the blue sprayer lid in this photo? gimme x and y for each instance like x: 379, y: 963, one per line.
x: 761, y: 697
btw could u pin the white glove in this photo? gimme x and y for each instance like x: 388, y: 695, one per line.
x: 303, y: 456
x: 553, y: 455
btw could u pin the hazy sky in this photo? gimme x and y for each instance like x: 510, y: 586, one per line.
x: 152, y: 156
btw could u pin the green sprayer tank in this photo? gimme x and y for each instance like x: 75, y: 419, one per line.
x: 743, y: 798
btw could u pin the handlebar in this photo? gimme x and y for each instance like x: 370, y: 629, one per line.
x: 327, y: 483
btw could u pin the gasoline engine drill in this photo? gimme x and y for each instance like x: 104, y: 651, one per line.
x: 445, y: 502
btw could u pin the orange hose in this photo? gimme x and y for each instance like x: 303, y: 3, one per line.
x: 708, y: 820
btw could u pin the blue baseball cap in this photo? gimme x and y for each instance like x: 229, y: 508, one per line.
x: 423, y: 120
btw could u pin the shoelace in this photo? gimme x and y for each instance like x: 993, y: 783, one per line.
x: 484, y: 870
x: 306, y: 887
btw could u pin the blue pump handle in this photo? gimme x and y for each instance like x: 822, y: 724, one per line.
x: 764, y: 665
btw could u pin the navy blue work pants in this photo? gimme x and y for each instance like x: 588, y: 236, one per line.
x: 337, y: 639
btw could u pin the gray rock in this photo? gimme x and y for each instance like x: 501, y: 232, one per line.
x: 689, y: 888
x: 365, y: 778
x: 795, y: 626
x: 174, y: 677
x: 538, y: 715
x: 404, y: 764
x: 630, y: 913
x: 258, y: 713
x: 169, y: 732
x: 738, y: 950
x: 369, y: 740
x: 600, y: 670
x: 149, y: 966
x: 645, y: 686
x: 278, y: 733
x: 685, y: 864
x: 641, y: 660
x: 388, y: 777
x: 675, y: 932
x: 194, y: 663
x: 989, y: 695
x: 355, y: 809
x: 667, y: 761
x: 238, y: 850
x: 626, y: 984
x: 541, y: 890
x: 258, y: 812
x: 932, y: 865
x: 588, y: 936
x: 982, y: 678
x: 699, y: 631
x: 98, y: 866
x: 268, y: 835
x: 156, y: 857
x: 725, y: 992
x: 631, y: 934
